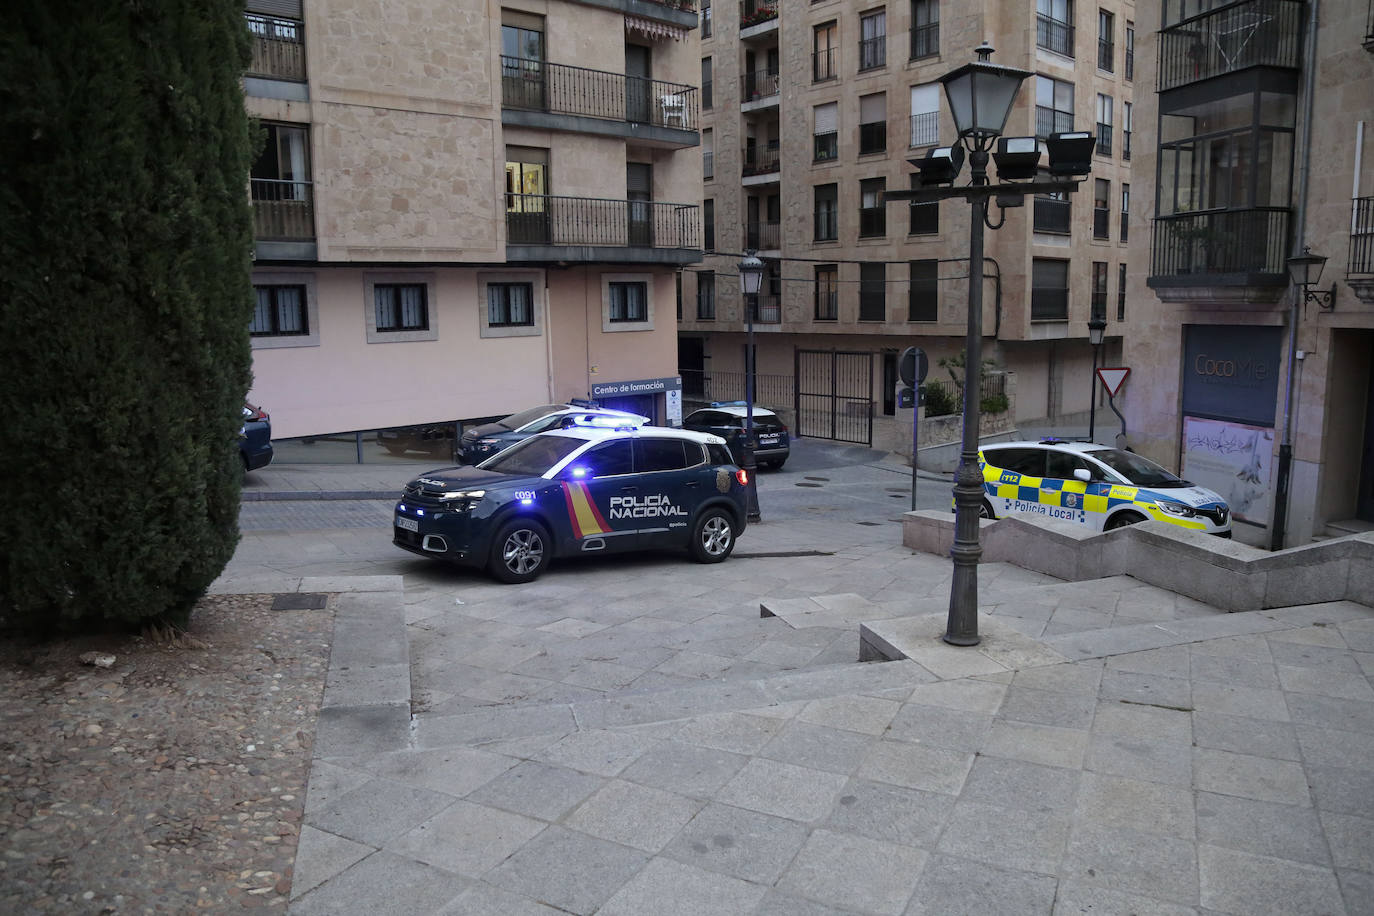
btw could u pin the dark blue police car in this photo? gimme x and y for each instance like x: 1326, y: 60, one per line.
x: 582, y: 490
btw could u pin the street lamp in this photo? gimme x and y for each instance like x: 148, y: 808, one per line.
x: 1097, y: 326
x: 981, y: 95
x: 1305, y: 270
x: 750, y: 278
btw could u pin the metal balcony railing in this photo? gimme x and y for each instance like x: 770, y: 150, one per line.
x: 763, y: 235
x: 1101, y: 219
x: 1053, y: 35
x: 1126, y: 145
x: 278, y: 47
x: 1048, y: 121
x: 283, y: 211
x: 1362, y: 236
x: 1220, y: 242
x: 538, y: 85
x: 757, y: 12
x: 1104, y: 139
x: 872, y: 137
x: 825, y: 65
x: 760, y: 84
x: 827, y: 146
x: 1253, y: 33
x: 543, y: 219
x: 1125, y: 224
x: 873, y: 53
x: 767, y: 309
x: 756, y: 161
x: 872, y: 222
x: 925, y: 128
x: 1106, y: 55
x: 925, y: 41
x: 708, y: 165
x: 1051, y: 215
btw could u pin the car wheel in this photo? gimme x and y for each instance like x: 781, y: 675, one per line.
x: 1122, y: 519
x: 985, y: 510
x: 520, y: 551
x: 713, y: 538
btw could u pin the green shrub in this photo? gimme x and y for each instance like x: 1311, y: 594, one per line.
x: 994, y: 403
x: 940, y: 401
x: 126, y: 237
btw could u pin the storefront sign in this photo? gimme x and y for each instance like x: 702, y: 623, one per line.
x: 639, y: 386
x: 1231, y: 372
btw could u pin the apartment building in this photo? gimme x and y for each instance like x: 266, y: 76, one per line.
x: 1254, y: 136
x: 465, y: 209
x: 810, y: 111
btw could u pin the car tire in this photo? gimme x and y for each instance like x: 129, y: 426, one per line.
x: 520, y: 551
x: 713, y: 536
x: 985, y: 510
x: 1122, y: 519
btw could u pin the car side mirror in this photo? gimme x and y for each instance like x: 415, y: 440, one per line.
x: 1082, y: 474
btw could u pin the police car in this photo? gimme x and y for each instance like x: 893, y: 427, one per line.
x: 481, y: 442
x: 586, y: 489
x: 727, y: 419
x: 1095, y: 486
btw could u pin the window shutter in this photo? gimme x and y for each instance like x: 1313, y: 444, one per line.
x: 925, y: 99
x: 873, y: 108
x: 286, y: 9
x: 827, y: 118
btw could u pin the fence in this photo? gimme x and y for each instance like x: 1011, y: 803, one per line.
x: 774, y: 391
x: 1239, y: 35
x: 943, y: 398
x: 542, y: 219
x: 1224, y: 241
x: 541, y: 86
x: 282, y: 210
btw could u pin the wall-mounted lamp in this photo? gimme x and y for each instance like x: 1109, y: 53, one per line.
x: 1305, y: 270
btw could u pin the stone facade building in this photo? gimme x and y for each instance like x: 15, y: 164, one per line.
x: 1254, y: 131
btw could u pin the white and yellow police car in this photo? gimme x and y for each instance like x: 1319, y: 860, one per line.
x: 1093, y: 485
x: 587, y: 489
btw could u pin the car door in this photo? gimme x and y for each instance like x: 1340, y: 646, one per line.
x: 1062, y: 494
x: 671, y: 483
x: 1015, y: 484
x: 600, y: 487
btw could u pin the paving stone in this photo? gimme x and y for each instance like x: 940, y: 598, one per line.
x: 1043, y: 744
x: 1075, y: 898
x: 776, y: 903
x: 1139, y: 758
x: 467, y: 839
x: 483, y: 899
x: 320, y: 856
x: 1082, y: 677
x: 1305, y: 655
x: 850, y: 871
x: 633, y: 815
x: 1170, y: 661
x: 1237, y: 882
x: 1351, y: 840
x: 910, y: 817
x: 869, y: 715
x: 1147, y: 689
x: 1135, y: 804
x: 379, y: 811
x: 382, y: 884
x: 1343, y: 790
x: 675, y: 889
x: 1325, y: 682
x: 1332, y: 712
x: 1232, y: 700
x: 602, y: 752
x: 454, y: 771
x: 1247, y: 776
x: 693, y: 771
x: 1237, y: 671
x: 916, y: 767
x: 958, y: 887
x: 818, y: 747
x: 739, y: 733
x: 1262, y: 828
x: 1260, y: 737
x: 1149, y: 723
x: 1133, y: 862
x: 969, y: 694
x: 537, y: 789
x: 1018, y: 784
x: 782, y: 789
x: 568, y: 870
x: 980, y: 832
x: 1044, y: 707
x: 735, y: 841
x: 1358, y: 889
x: 940, y: 727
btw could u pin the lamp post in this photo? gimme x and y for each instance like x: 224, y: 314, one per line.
x: 750, y: 278
x: 981, y: 95
x: 1097, y: 325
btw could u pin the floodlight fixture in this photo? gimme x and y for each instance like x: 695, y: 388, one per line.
x: 1017, y: 158
x: 1071, y: 153
x: 940, y: 166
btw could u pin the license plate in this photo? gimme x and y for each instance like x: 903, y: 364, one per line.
x: 408, y: 524
x: 768, y: 440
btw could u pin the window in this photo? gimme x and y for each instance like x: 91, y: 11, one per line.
x: 1102, y: 189
x: 827, y: 132
x: 1130, y: 51
x: 610, y: 459
x: 872, y: 123
x: 1053, y: 106
x: 708, y: 154
x: 677, y: 276
x: 925, y: 115
x: 827, y: 292
x: 1126, y: 131
x: 1125, y: 209
x: 708, y: 228
x: 523, y: 75
x: 1106, y: 33
x: 872, y: 210
x: 1104, y: 125
x: 925, y: 218
x: 706, y: 295
x: 706, y: 100
x: 705, y: 18
x: 924, y: 298
x: 527, y: 189
x: 1052, y: 212
x: 629, y: 302
x: 280, y: 312
x: 280, y: 185
x: 401, y: 307
x: 873, y: 292
x: 1099, y: 300
x: 1121, y: 292
x: 1049, y: 290
x: 827, y: 212
x: 873, y: 40
x: 825, y: 52
x: 510, y: 305
x: 1054, y: 26
x: 925, y: 28
x: 662, y: 454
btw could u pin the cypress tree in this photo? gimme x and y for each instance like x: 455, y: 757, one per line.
x: 125, y: 239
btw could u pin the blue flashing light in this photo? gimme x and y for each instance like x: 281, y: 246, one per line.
x: 729, y: 403
x: 401, y: 507
x: 419, y: 511
x: 1053, y: 440
x: 579, y: 472
x: 527, y: 502
x: 603, y: 422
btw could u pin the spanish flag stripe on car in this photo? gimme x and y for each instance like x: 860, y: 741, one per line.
x: 586, y: 519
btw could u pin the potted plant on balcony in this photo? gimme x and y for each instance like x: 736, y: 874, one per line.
x: 760, y: 15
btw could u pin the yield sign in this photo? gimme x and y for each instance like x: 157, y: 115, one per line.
x: 1113, y: 378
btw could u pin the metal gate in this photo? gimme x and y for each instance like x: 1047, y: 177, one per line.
x: 835, y: 395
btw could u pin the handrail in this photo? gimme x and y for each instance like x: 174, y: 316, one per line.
x: 539, y: 85
x: 545, y: 219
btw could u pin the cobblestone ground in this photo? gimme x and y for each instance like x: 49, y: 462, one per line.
x: 171, y: 782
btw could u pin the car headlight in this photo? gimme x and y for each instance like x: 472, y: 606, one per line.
x: 451, y: 495
x: 488, y: 443
x: 1176, y: 509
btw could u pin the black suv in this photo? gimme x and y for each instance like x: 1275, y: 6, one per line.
x: 727, y: 419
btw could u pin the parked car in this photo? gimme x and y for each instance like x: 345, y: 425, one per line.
x: 727, y: 420
x: 583, y: 489
x: 1096, y: 486
x: 255, y: 438
x: 481, y: 442
x: 434, y: 438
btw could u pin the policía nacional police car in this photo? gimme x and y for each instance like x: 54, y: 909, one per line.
x: 1099, y: 487
x: 580, y: 490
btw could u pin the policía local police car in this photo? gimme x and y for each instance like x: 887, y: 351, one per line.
x: 1099, y: 487
x: 581, y: 490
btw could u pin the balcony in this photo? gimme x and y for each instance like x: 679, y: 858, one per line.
x: 759, y: 86
x: 1101, y: 218
x: 1051, y: 215
x: 758, y: 162
x: 1049, y: 121
x: 767, y: 309
x: 1106, y: 54
x: 873, y: 53
x: 826, y: 147
x: 925, y: 128
x: 679, y: 13
x: 1053, y: 35
x: 278, y: 48
x: 872, y: 222
x: 1221, y: 248
x: 542, y: 227
x: 283, y: 219
x: 825, y: 65
x: 1360, y: 269
x: 537, y: 93
x: 763, y: 236
x: 925, y: 41
x: 755, y: 13
x: 1104, y: 139
x: 1257, y: 33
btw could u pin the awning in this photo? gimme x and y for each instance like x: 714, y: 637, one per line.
x: 655, y: 30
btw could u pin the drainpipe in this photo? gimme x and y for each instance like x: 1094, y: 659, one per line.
x: 1285, y: 470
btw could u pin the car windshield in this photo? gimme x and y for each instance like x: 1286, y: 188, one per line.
x: 517, y: 420
x: 532, y: 457
x: 1140, y: 471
